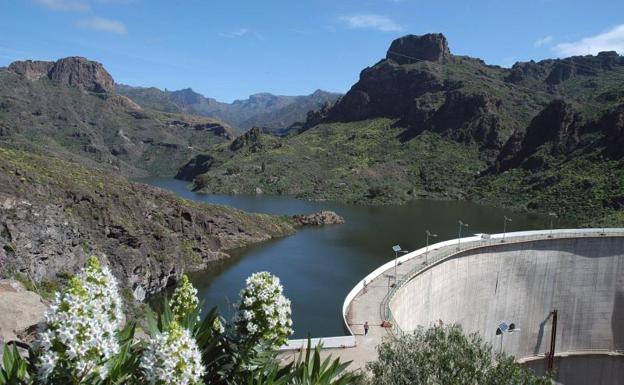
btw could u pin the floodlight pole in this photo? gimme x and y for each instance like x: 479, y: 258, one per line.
x: 552, y: 217
x: 461, y: 224
x: 505, y: 227
x: 429, y: 234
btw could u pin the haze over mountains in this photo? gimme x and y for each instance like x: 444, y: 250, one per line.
x: 275, y: 113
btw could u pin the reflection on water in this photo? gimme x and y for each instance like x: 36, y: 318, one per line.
x: 319, y: 266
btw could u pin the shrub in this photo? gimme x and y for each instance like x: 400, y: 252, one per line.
x: 444, y: 355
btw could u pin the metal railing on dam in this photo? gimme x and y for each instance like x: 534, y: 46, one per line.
x: 411, y: 265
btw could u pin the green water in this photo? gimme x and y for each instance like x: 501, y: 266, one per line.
x: 319, y: 266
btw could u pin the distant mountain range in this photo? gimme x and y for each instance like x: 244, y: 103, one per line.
x: 69, y: 109
x: 274, y: 113
x: 544, y: 136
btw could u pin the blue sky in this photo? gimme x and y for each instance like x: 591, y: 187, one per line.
x: 231, y: 49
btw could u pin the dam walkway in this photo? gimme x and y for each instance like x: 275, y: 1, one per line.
x: 368, y: 300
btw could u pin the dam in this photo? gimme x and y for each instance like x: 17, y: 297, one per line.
x: 485, y: 280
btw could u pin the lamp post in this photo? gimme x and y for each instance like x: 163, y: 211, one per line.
x: 461, y: 224
x: 503, y: 328
x: 397, y: 250
x: 552, y: 219
x: 429, y: 234
x: 505, y: 227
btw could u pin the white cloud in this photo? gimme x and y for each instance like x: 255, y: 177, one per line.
x: 104, y: 25
x: 543, y: 41
x: 65, y: 5
x: 611, y: 40
x: 371, y: 20
x: 236, y: 33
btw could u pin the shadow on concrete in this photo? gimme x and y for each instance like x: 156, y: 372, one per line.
x: 540, y: 335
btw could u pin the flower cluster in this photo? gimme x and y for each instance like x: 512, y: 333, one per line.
x: 81, y: 325
x: 172, y: 357
x: 263, y: 311
x: 184, y: 300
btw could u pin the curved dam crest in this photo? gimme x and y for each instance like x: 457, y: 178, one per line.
x: 515, y: 277
x: 522, y: 283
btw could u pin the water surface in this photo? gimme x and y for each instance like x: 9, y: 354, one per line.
x: 318, y: 266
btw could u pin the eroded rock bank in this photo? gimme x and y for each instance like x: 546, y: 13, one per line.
x: 55, y: 214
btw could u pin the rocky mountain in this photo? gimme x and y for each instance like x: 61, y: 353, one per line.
x: 69, y: 108
x: 54, y: 214
x: 423, y: 122
x: 274, y: 113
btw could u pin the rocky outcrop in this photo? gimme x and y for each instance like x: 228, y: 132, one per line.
x: 413, y: 48
x: 55, y: 214
x: 251, y: 140
x: 82, y: 73
x: 196, y: 166
x: 31, y: 69
x: 318, y: 219
x: 553, y: 72
x: 612, y: 125
x: 20, y: 311
x: 558, y: 125
x: 72, y: 71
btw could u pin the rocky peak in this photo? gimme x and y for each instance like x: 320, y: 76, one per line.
x: 187, y: 96
x: 251, y: 139
x: 31, y: 69
x: 72, y: 71
x: 411, y: 48
x: 557, y: 126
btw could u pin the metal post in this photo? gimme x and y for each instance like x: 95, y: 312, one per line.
x: 429, y: 234
x: 396, y: 257
x: 459, y: 236
x: 552, y: 218
x: 505, y: 227
x: 553, y: 339
x: 461, y: 224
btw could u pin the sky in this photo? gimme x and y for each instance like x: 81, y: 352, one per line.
x: 231, y: 49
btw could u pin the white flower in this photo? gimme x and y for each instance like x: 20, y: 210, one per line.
x: 172, y: 357
x: 81, y: 324
x: 184, y: 300
x: 263, y: 311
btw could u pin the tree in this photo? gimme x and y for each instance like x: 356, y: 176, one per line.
x: 444, y: 355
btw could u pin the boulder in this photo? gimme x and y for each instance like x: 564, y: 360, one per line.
x: 20, y: 312
x: 318, y: 219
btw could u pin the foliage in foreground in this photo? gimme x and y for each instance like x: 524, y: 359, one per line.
x: 444, y: 355
x: 81, y: 345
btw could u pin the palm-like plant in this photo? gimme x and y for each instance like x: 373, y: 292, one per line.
x: 14, y: 370
x: 312, y: 371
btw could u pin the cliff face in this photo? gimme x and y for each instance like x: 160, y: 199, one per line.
x: 54, y: 214
x: 411, y: 48
x: 73, y: 71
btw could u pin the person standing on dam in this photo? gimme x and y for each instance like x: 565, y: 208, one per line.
x: 366, y: 328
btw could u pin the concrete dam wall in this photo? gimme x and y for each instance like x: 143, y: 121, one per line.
x: 583, y: 278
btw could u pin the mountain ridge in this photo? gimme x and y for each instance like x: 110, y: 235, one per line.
x: 263, y: 109
x: 529, y: 136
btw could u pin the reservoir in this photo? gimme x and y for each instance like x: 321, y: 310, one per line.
x: 318, y: 266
